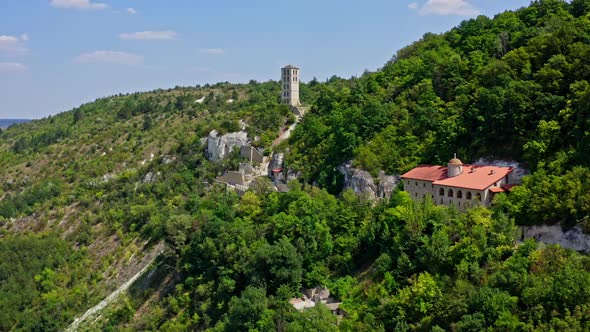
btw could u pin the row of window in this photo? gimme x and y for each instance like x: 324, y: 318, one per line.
x: 423, y: 184
x: 477, y: 196
x: 286, y: 79
x: 286, y: 72
x: 450, y: 193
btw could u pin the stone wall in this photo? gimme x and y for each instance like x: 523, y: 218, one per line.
x: 252, y: 154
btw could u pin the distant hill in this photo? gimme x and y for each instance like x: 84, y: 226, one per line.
x: 5, y: 123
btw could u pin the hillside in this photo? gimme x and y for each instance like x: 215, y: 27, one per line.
x: 79, y: 180
x: 91, y: 196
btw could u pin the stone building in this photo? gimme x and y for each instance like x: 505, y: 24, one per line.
x: 457, y: 184
x: 290, y: 85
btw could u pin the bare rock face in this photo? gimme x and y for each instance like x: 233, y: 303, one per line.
x: 149, y: 177
x: 361, y: 182
x: 276, y: 162
x: 387, y: 184
x: 219, y: 147
x: 572, y: 238
x: 292, y: 175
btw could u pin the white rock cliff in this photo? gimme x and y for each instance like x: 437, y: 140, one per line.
x: 219, y: 147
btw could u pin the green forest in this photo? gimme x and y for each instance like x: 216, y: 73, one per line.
x: 89, y: 194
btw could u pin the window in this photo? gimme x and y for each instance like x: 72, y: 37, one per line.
x: 441, y: 192
x: 478, y: 196
x: 424, y: 184
x: 469, y: 195
x: 450, y: 193
x: 459, y: 194
x: 416, y: 183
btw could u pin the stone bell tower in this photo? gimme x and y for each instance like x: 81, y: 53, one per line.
x: 290, y: 85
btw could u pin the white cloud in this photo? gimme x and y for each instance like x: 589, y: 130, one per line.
x: 13, y: 45
x: 449, y: 7
x: 78, y: 4
x: 213, y: 51
x: 413, y: 6
x: 149, y: 35
x: 12, y: 67
x: 131, y: 11
x: 113, y: 57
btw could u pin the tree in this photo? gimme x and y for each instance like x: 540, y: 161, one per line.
x: 245, y: 312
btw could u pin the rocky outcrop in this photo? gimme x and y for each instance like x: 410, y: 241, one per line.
x: 276, y: 163
x: 311, y: 297
x: 149, y: 177
x: 387, y: 184
x: 292, y: 175
x: 361, y: 182
x: 572, y: 238
x: 219, y: 147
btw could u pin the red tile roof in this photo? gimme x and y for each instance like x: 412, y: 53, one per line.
x: 427, y: 173
x: 496, y: 190
x: 473, y: 176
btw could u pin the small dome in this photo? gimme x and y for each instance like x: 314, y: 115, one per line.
x: 455, y: 161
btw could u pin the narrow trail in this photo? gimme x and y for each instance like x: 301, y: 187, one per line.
x: 287, y: 131
x: 110, y: 298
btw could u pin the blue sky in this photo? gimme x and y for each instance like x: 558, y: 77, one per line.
x: 57, y: 54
